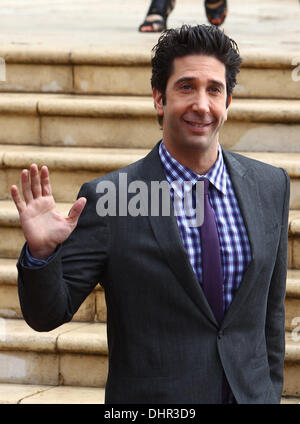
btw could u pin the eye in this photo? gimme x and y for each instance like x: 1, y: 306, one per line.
x: 186, y: 87
x: 215, y: 89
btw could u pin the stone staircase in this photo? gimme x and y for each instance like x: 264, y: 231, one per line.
x: 84, y: 113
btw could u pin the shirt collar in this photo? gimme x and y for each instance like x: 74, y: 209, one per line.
x: 175, y: 171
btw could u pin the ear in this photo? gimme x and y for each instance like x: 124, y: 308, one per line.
x: 227, y: 107
x: 158, y: 102
x: 229, y: 101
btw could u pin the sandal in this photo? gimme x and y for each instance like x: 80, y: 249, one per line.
x: 216, y: 15
x: 160, y: 9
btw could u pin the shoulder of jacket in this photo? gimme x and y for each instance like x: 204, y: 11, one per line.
x: 261, y: 169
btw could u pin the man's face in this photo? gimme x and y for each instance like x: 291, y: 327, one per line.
x: 195, y: 107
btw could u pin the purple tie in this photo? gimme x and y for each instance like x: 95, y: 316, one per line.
x: 212, y: 275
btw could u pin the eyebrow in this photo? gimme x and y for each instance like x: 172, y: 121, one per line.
x: 183, y: 79
x: 187, y: 79
x: 219, y: 83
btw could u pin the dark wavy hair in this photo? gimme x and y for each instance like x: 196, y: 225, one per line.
x: 200, y: 39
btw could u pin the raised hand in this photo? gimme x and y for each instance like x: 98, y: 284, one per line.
x: 44, y: 227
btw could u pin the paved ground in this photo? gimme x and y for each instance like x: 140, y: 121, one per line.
x: 255, y: 24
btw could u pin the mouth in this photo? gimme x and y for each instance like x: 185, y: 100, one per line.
x: 197, y: 124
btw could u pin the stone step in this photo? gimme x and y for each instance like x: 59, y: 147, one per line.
x: 290, y: 400
x: 11, y: 237
x: 292, y: 364
x: 294, y: 240
x: 130, y: 122
x: 292, y: 301
x: 34, y: 394
x: 67, y: 179
x: 94, y: 307
x: 38, y: 394
x: 74, y: 354
x: 70, y: 167
x: 99, y: 71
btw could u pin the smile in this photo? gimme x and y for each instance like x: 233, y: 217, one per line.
x: 196, y: 124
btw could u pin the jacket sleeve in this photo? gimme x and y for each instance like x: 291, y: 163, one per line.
x: 275, y: 322
x: 51, y: 294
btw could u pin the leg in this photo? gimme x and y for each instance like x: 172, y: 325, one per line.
x: 157, y: 15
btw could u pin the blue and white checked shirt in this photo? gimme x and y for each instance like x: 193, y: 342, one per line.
x: 234, y: 243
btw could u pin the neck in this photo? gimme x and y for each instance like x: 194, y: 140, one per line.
x: 198, y: 161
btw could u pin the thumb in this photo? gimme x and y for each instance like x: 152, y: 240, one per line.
x: 76, y: 210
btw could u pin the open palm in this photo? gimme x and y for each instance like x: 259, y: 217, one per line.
x: 44, y: 227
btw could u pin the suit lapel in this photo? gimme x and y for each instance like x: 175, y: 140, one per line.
x: 246, y: 189
x: 167, y: 234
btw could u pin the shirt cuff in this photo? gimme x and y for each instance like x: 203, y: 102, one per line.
x: 32, y: 262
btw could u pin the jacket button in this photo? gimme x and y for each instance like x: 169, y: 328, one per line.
x: 220, y: 334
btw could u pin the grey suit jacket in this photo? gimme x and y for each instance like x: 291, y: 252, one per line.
x: 165, y: 345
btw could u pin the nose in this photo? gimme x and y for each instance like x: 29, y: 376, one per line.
x: 201, y: 102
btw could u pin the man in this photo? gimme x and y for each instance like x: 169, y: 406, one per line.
x: 188, y: 320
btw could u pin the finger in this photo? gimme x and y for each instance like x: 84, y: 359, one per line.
x: 17, y: 199
x: 35, y: 181
x: 76, y: 210
x: 45, y: 182
x: 26, y: 186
